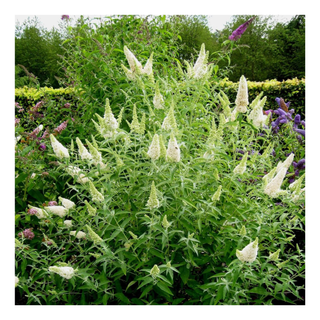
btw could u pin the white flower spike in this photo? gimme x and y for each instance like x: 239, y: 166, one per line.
x: 248, y: 253
x: 58, y: 148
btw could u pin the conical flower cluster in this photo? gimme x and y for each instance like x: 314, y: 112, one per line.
x: 165, y: 223
x: 135, y: 66
x: 134, y: 125
x: 76, y: 172
x: 40, y: 213
x: 64, y: 272
x: 200, y: 68
x: 68, y: 204
x: 173, y: 151
x: 286, y: 164
x: 78, y: 235
x: 256, y: 116
x: 242, y: 166
x: 272, y: 189
x: 242, y: 96
x: 154, y: 149
x: 93, y: 236
x: 158, y: 99
x: 108, y: 125
x: 272, y: 184
x: 58, y: 210
x: 169, y: 122
x: 248, y: 253
x: 274, y: 256
x: 216, y: 196
x: 95, y: 194
x: 92, y: 211
x: 58, y: 148
x: 153, y: 201
x: 83, y: 152
x: 96, y: 155
x: 154, y: 271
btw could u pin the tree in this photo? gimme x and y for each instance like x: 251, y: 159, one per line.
x: 287, y: 46
x: 37, y: 50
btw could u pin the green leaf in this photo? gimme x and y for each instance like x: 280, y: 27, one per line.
x: 156, y: 253
x: 219, y: 295
x: 184, y: 274
x: 122, y: 297
x: 164, y: 287
x: 130, y: 284
x: 259, y: 290
x: 146, y: 290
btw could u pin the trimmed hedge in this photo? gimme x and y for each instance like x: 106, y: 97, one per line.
x: 290, y: 90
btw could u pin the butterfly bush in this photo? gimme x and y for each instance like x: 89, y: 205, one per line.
x: 161, y: 199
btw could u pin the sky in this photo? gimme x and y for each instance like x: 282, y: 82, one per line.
x: 215, y: 22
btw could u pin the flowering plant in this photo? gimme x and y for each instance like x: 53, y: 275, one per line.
x: 160, y: 209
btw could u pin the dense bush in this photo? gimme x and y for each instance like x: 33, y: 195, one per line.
x: 167, y: 200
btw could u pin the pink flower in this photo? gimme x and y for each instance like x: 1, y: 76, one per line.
x: 61, y: 127
x: 32, y: 211
x: 16, y: 121
x: 27, y: 233
x: 52, y: 203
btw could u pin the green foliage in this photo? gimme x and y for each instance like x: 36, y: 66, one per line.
x: 37, y: 50
x: 183, y: 249
x: 267, y: 51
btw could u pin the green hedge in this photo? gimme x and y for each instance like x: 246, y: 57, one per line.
x: 290, y: 90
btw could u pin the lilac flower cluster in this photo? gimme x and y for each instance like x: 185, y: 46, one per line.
x: 65, y: 17
x: 34, y: 111
x: 20, y: 109
x: 297, y: 122
x: 285, y: 116
x: 61, y: 127
x: 27, y: 233
x: 236, y: 34
x: 298, y: 166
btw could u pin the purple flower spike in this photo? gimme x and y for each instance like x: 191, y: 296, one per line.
x: 42, y: 147
x: 300, y: 131
x: 283, y: 120
x: 236, y: 34
x: 303, y: 123
x: 301, y: 164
